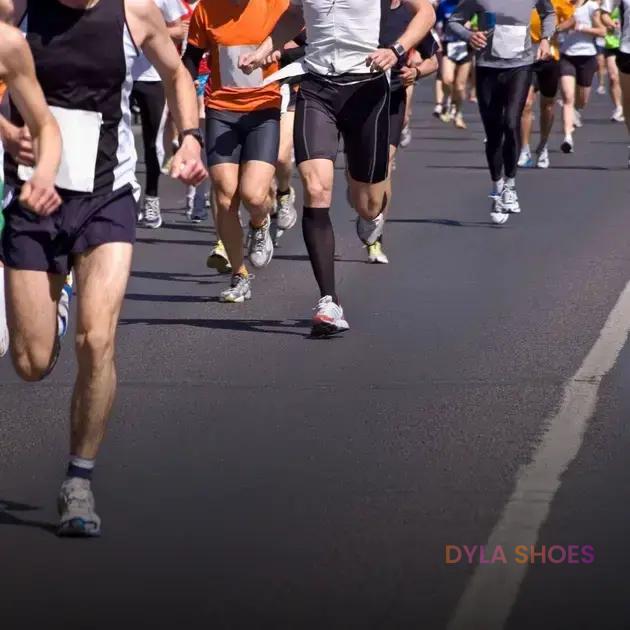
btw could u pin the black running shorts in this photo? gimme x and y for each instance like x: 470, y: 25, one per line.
x: 355, y: 107
x: 35, y: 243
x: 397, y: 108
x: 582, y: 67
x: 623, y: 62
x: 239, y: 137
x: 547, y: 78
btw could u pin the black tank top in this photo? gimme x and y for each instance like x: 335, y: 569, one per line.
x: 83, y: 60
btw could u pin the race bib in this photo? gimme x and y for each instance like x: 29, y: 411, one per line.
x: 80, y: 133
x: 231, y: 75
x: 456, y: 51
x: 509, y: 41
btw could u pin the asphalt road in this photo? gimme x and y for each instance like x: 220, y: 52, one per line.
x: 254, y: 478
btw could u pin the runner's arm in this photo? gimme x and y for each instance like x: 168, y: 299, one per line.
x: 192, y: 59
x: 39, y: 192
x: 608, y: 6
x: 148, y: 30
x: 547, y: 18
x: 421, y: 24
x: 597, y: 29
x: 462, y: 15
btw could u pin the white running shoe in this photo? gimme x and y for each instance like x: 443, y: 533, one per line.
x: 239, y: 291
x: 601, y: 90
x: 369, y: 231
x: 542, y: 158
x: 509, y: 200
x: 4, y: 336
x: 567, y: 146
x: 498, y: 215
x: 525, y: 159
x: 286, y: 214
x: 437, y: 110
x: 405, y: 137
x: 63, y: 307
x: 617, y: 115
x: 260, y: 245
x: 151, y: 214
x: 328, y: 318
x: 577, y: 118
x: 376, y: 255
x: 77, y: 515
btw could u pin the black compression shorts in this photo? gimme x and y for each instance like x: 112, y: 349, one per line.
x: 355, y: 107
x: 582, y: 67
x: 547, y: 78
x: 397, y: 108
x: 623, y: 62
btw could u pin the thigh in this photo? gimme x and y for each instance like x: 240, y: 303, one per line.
x: 225, y: 183
x: 548, y: 78
x: 315, y: 132
x: 611, y: 65
x: 223, y: 141
x: 255, y: 180
x: 364, y: 124
x: 317, y: 178
x: 286, y: 135
x: 517, y: 85
x: 567, y: 87
x: 567, y: 67
x: 491, y: 98
x: 261, y: 137
x: 585, y: 71
x: 447, y: 70
x: 101, y: 276
x: 461, y: 74
x: 31, y: 301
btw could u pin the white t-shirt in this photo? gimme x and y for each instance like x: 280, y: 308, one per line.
x: 341, y: 33
x: 608, y: 6
x: 142, y: 70
x: 576, y: 43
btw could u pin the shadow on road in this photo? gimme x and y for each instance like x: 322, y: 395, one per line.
x: 198, y: 278
x: 300, y: 327
x: 180, y: 299
x: 7, y: 518
x: 452, y: 223
x: 160, y: 241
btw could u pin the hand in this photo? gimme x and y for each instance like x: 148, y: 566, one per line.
x: 408, y: 75
x: 249, y: 62
x: 39, y: 195
x: 179, y: 31
x: 381, y: 60
x: 187, y: 165
x: 18, y: 142
x: 478, y: 40
x: 544, y: 51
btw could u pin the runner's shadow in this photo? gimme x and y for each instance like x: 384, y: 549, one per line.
x: 178, y: 299
x: 7, y: 518
x: 299, y: 327
x: 197, y: 278
x: 160, y: 241
x: 451, y: 223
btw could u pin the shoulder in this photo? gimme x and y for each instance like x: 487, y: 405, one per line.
x: 13, y: 49
x: 142, y: 9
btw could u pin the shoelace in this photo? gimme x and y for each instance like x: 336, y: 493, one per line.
x: 259, y: 239
x: 151, y: 211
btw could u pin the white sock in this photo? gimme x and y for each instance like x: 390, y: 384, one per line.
x: 498, y: 186
x: 526, y: 149
x: 568, y: 138
x: 510, y: 182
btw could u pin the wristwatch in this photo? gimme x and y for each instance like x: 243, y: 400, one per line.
x: 195, y: 133
x: 399, y: 50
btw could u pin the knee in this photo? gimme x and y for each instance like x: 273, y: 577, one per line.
x: 318, y: 193
x: 31, y: 365
x: 254, y: 197
x: 223, y: 199
x: 95, y: 349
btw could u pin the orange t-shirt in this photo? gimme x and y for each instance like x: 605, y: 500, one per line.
x: 227, y: 29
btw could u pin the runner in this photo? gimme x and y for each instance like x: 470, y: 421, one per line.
x: 504, y: 75
x: 578, y: 64
x: 454, y: 69
x: 345, y: 91
x: 85, y: 71
x: 39, y: 195
x: 419, y: 63
x: 612, y: 41
x: 148, y: 94
x: 622, y: 27
x: 242, y: 127
x: 546, y: 82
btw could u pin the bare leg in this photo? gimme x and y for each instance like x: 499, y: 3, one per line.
x: 527, y: 120
x: 567, y: 85
x: 284, y: 166
x: 225, y: 189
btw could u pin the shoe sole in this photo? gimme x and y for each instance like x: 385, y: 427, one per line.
x: 237, y: 300
x: 321, y: 330
x: 154, y: 226
x: 218, y: 263
x: 565, y: 147
x: 499, y: 218
x: 78, y: 528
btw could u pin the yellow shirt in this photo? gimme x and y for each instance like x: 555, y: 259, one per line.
x: 564, y: 10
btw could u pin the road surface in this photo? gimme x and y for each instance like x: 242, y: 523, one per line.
x: 254, y: 478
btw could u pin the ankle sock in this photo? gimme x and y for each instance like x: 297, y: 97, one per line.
x: 80, y: 467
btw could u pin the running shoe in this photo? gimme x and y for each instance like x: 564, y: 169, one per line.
x: 63, y: 307
x: 601, y: 90
x: 542, y: 158
x: 498, y: 215
x: 239, y: 291
x: 567, y: 146
x: 328, y: 318
x: 286, y: 214
x: 369, y: 231
x: 4, y: 337
x: 459, y: 121
x: 77, y: 516
x: 577, y: 118
x: 438, y: 110
x: 405, y: 137
x: 199, y: 216
x: 525, y: 159
x: 260, y: 244
x: 151, y: 215
x: 447, y: 116
x: 509, y: 200
x: 376, y: 255
x: 190, y: 201
x: 617, y: 115
x: 218, y: 259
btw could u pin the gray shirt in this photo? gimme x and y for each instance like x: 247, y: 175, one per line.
x: 510, y: 43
